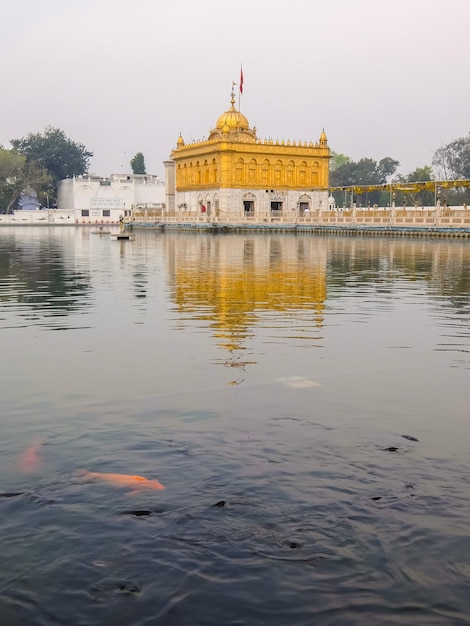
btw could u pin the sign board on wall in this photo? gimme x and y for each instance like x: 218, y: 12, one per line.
x: 106, y: 203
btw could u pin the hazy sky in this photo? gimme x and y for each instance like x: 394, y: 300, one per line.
x: 383, y: 77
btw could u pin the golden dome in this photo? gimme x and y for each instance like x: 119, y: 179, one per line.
x: 232, y: 118
x: 323, y: 136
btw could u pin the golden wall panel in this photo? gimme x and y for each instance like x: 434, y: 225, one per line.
x: 209, y: 165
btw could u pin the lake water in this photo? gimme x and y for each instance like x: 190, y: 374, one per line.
x: 303, y: 399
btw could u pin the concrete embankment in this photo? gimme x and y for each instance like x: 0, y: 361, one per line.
x: 356, y: 230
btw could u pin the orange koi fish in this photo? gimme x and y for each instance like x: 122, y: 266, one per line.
x: 31, y: 459
x: 137, y: 483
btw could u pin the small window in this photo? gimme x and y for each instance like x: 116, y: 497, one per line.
x: 85, y: 213
x: 106, y: 213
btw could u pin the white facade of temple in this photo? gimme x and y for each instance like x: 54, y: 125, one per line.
x: 232, y: 203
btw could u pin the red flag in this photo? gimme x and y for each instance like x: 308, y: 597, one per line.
x: 241, y: 80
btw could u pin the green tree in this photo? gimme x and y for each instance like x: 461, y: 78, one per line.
x: 337, y: 159
x: 56, y: 153
x: 386, y: 167
x: 16, y: 174
x: 452, y: 161
x: 419, y: 175
x: 363, y: 172
x: 138, y: 164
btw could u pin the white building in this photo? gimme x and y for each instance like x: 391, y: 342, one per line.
x: 97, y: 200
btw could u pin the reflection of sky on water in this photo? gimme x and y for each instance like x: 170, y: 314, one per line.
x: 38, y: 274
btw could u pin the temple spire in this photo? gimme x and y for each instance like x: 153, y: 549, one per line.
x: 232, y: 94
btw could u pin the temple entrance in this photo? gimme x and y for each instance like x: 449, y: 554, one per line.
x: 249, y: 204
x: 305, y: 202
x: 249, y: 207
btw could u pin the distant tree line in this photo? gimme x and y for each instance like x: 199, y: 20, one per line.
x: 450, y: 162
x: 39, y: 160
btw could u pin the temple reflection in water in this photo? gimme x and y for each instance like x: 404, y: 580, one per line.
x: 231, y: 281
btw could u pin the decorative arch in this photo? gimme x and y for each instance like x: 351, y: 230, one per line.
x: 290, y: 174
x: 278, y: 173
x: 315, y: 174
x: 214, y: 172
x: 305, y: 204
x: 208, y: 203
x: 249, y: 205
x: 215, y: 207
x: 83, y: 193
x: 239, y: 173
x: 265, y: 177
x: 125, y: 192
x: 303, y: 173
x: 252, y: 172
x: 105, y: 191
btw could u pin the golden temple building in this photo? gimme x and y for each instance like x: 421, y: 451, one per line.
x: 234, y: 174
